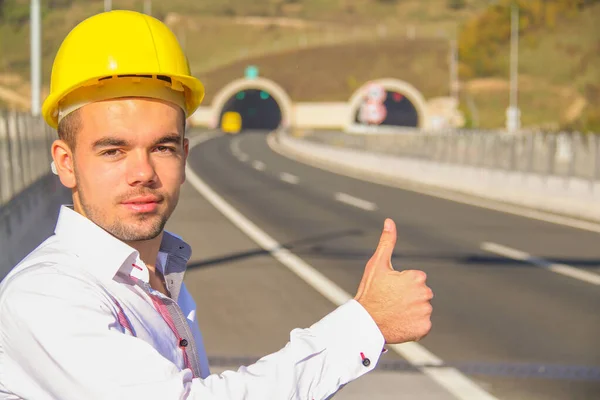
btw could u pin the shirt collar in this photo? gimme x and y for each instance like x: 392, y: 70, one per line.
x: 104, y: 254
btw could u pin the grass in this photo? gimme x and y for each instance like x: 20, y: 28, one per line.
x: 332, y: 73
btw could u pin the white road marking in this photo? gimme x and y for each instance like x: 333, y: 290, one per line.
x: 258, y: 165
x: 355, y: 201
x: 237, y: 151
x: 289, y: 178
x: 471, y: 200
x: 562, y: 269
x: 451, y: 379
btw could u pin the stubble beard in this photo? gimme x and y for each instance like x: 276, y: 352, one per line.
x: 138, y: 227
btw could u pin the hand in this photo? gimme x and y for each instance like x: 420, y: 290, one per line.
x: 398, y: 302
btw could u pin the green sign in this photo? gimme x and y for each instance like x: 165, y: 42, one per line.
x: 251, y: 72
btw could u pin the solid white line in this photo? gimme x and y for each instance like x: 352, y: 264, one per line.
x: 562, y: 269
x: 355, y: 201
x: 450, y: 378
x: 445, y: 194
x: 289, y: 178
x: 258, y: 165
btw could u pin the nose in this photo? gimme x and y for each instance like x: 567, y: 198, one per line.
x: 140, y: 170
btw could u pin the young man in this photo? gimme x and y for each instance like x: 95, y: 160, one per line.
x: 99, y: 310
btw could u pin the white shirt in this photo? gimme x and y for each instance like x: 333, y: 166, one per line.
x: 60, y: 336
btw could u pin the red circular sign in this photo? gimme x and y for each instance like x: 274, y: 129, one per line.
x: 373, y: 113
x: 376, y: 93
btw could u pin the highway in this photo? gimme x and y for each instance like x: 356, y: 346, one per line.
x: 516, y: 329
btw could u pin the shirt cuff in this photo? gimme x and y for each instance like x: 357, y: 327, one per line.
x: 352, y: 338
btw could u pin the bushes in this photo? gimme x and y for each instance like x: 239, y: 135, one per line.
x: 481, y: 38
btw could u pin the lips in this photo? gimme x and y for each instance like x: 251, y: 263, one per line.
x: 142, y: 203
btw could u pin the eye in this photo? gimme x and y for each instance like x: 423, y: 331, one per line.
x: 165, y: 149
x: 110, y: 152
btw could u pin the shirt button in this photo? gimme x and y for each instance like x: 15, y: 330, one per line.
x: 366, y: 362
x: 183, y: 343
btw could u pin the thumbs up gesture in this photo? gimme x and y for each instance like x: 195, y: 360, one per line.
x: 398, y: 301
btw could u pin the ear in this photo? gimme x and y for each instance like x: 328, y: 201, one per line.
x: 63, y: 161
x: 186, y: 151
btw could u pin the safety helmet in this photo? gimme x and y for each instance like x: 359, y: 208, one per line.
x: 118, y: 54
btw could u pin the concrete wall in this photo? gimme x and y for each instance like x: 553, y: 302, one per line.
x: 440, y: 113
x: 320, y: 115
x: 27, y: 220
x: 202, y: 117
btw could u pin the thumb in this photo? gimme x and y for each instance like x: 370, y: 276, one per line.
x: 382, y: 258
x: 385, y: 248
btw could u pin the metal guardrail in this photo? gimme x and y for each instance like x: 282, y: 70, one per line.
x: 569, y: 155
x: 25, y: 156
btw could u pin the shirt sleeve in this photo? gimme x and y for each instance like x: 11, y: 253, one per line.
x: 60, y: 339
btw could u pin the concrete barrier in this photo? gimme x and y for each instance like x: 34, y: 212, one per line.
x: 573, y: 197
x: 28, y: 219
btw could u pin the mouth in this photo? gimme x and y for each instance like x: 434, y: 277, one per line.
x: 143, y: 204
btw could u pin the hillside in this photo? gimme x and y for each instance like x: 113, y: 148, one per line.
x: 217, y: 33
x: 321, y: 50
x: 333, y: 73
x: 559, y: 60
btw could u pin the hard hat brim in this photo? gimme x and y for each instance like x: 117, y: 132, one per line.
x: 193, y: 96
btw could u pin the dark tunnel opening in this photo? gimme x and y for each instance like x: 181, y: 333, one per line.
x: 257, y: 109
x: 400, y: 111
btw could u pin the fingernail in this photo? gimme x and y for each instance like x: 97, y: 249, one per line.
x: 387, y: 226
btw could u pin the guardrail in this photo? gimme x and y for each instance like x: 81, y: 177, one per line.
x: 567, y: 155
x: 25, y: 157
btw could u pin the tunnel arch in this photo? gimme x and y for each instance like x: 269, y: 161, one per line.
x: 391, y: 85
x: 231, y: 89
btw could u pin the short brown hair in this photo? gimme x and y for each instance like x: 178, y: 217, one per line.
x: 68, y: 128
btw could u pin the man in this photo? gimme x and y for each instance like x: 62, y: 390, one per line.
x: 99, y: 310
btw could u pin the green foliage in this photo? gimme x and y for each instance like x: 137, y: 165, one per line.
x: 456, y: 4
x: 14, y: 12
x: 483, y: 36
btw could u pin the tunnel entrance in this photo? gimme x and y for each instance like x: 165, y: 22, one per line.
x: 257, y: 110
x: 396, y: 110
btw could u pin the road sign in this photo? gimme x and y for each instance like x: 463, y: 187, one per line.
x: 372, y: 113
x: 376, y: 93
x: 251, y: 72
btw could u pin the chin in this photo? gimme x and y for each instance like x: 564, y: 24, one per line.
x: 138, y: 228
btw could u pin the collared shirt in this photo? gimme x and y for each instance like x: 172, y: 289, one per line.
x: 62, y: 336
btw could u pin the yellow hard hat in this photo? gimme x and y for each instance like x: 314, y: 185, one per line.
x: 126, y: 49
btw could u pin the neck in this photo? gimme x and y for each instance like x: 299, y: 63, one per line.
x: 148, y: 250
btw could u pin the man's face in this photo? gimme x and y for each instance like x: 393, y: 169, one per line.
x: 129, y: 164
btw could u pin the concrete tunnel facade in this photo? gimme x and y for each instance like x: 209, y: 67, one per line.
x: 318, y: 115
x: 223, y: 99
x: 412, y: 101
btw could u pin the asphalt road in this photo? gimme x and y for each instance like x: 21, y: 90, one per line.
x: 520, y: 331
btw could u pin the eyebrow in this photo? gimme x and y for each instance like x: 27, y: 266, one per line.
x: 116, y: 142
x: 169, y: 138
